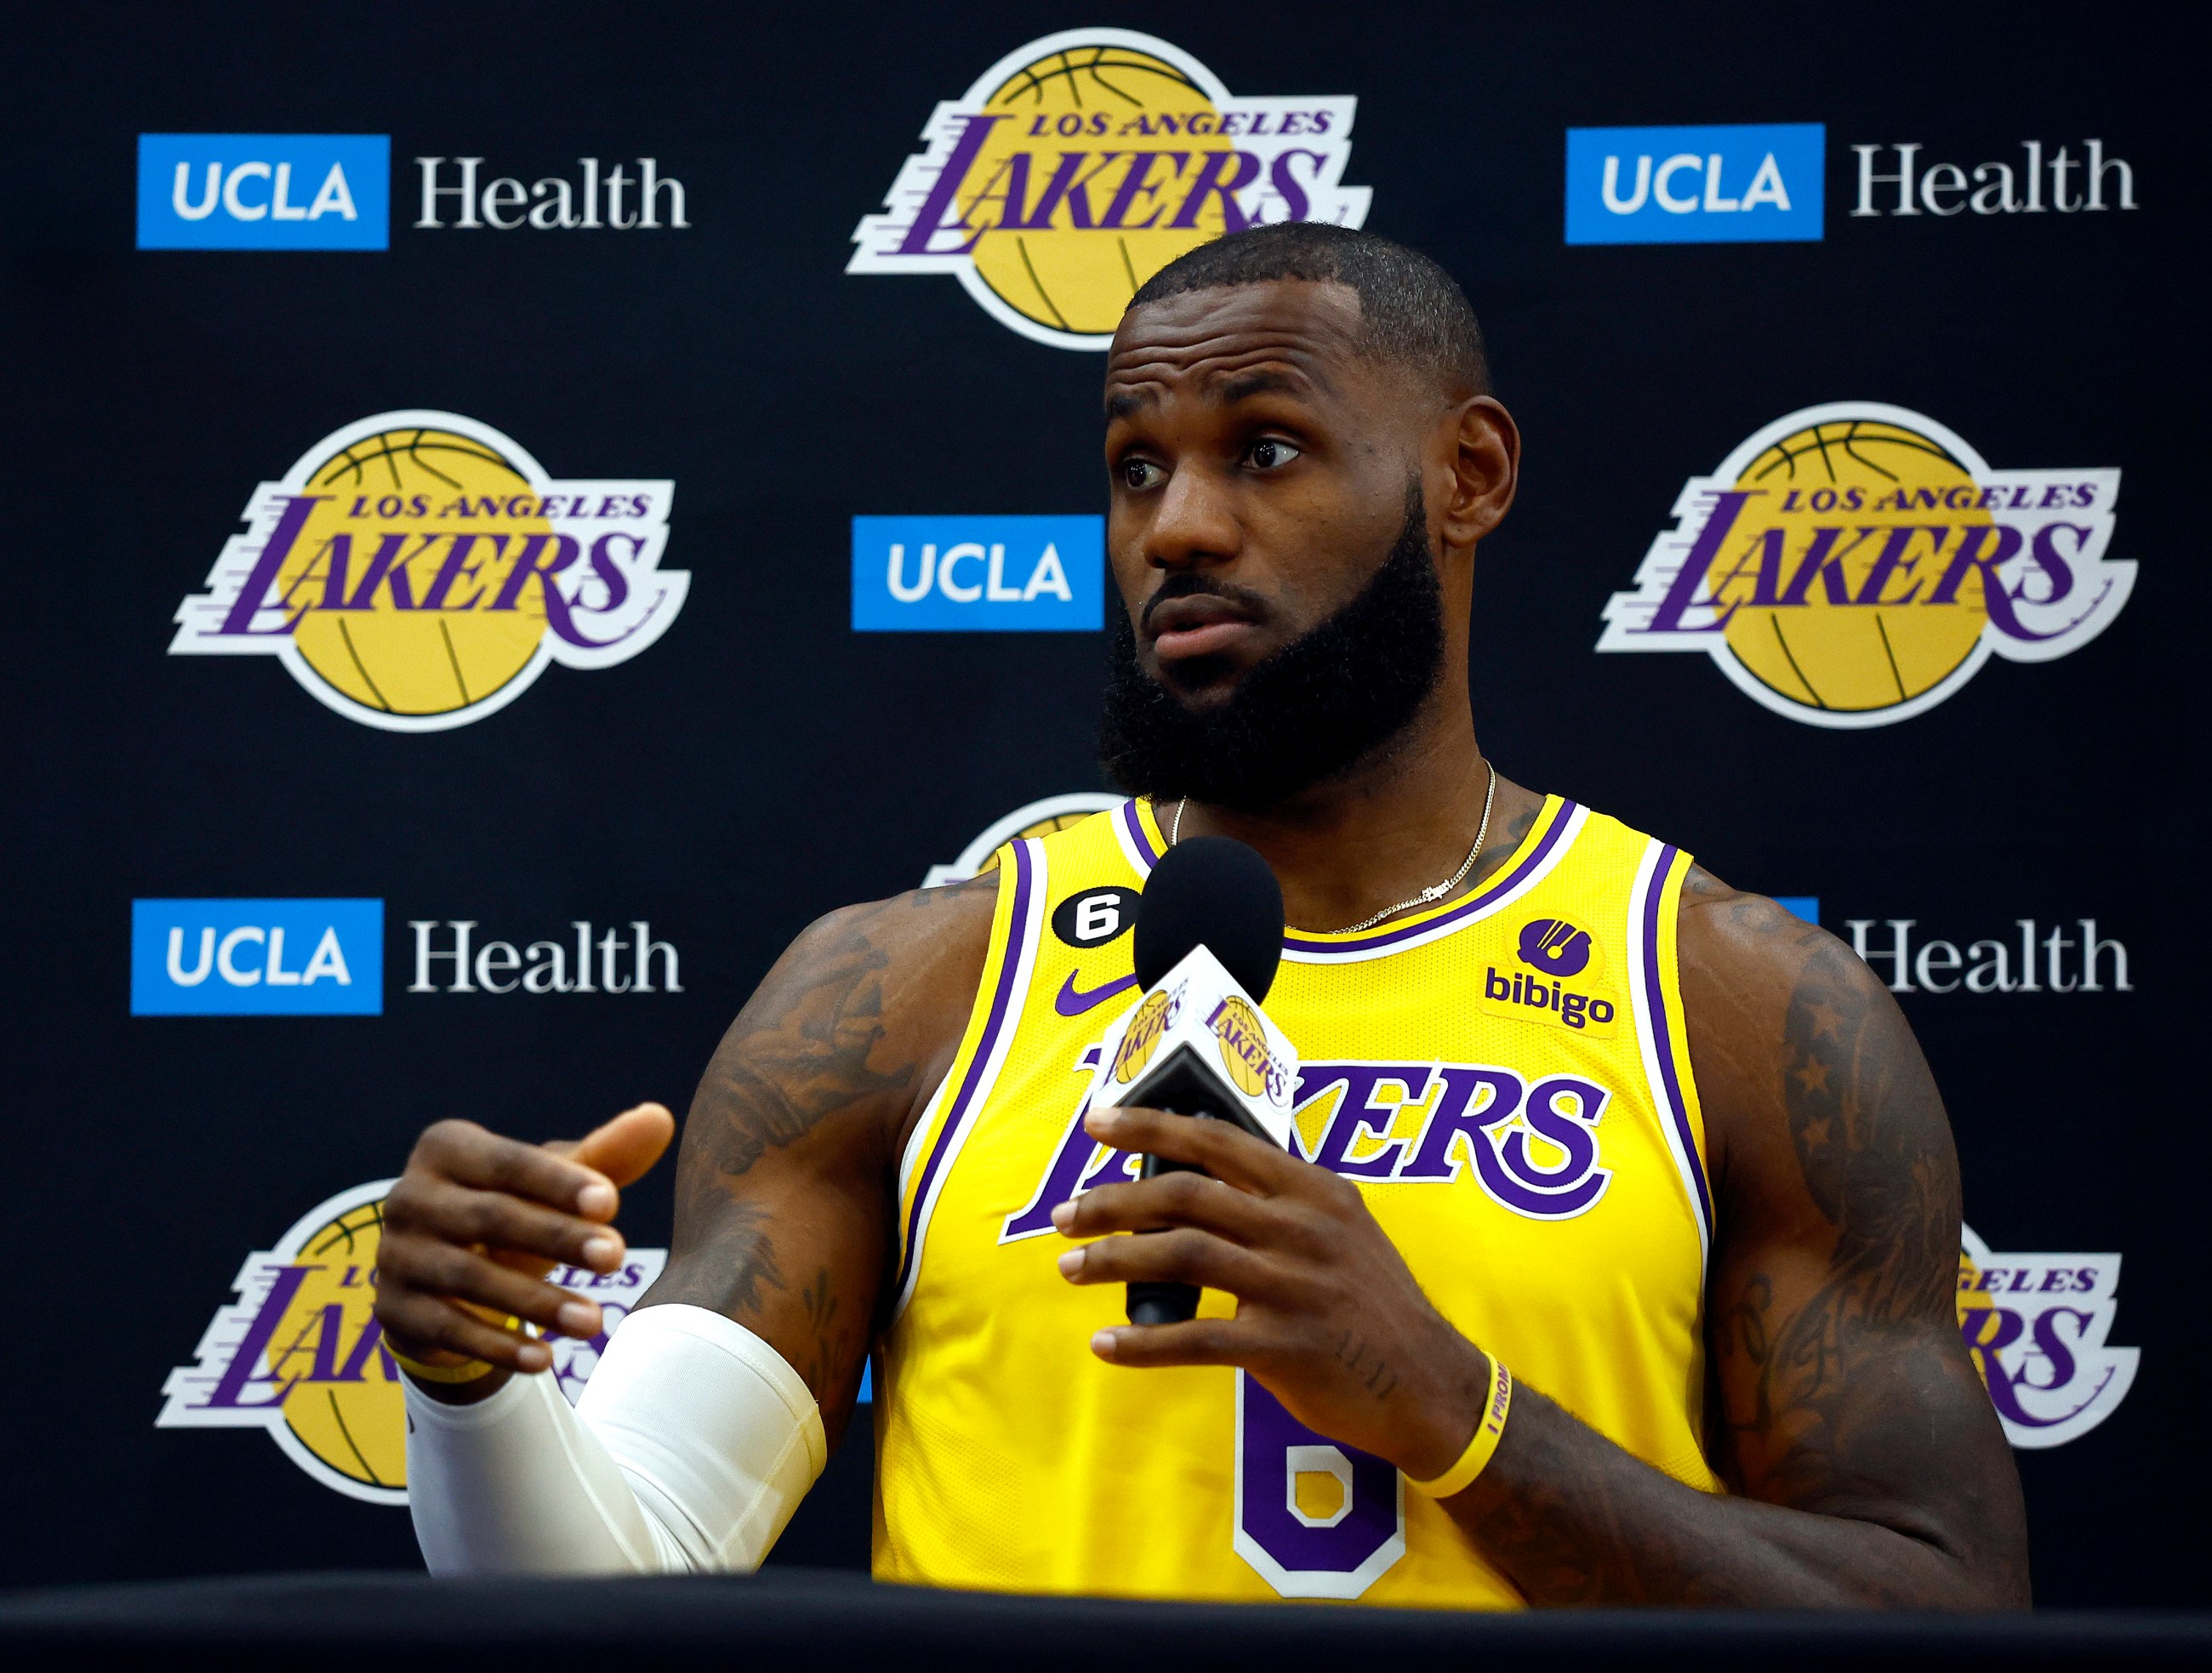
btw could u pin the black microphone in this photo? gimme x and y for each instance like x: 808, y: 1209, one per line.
x: 1215, y: 893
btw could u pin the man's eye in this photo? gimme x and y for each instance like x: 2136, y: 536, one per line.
x: 1272, y: 455
x: 1139, y: 473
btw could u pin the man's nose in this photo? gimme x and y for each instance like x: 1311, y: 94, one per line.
x: 1195, y: 525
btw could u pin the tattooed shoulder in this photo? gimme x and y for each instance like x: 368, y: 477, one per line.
x: 844, y: 1031
x: 792, y: 1137
x: 1811, y: 1081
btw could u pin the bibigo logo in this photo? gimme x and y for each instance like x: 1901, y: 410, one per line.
x: 1855, y: 564
x: 1079, y: 166
x: 1556, y: 952
x: 300, y: 1352
x: 418, y: 571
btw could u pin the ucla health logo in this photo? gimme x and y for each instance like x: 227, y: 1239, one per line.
x: 1079, y: 166
x: 418, y: 571
x: 989, y: 574
x: 1745, y: 183
x: 264, y: 191
x: 1855, y: 564
x: 256, y: 958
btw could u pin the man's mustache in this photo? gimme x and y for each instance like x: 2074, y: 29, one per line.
x: 1189, y: 584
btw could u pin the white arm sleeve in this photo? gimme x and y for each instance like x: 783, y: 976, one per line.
x: 693, y: 1443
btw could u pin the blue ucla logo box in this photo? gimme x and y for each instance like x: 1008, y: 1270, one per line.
x: 264, y: 191
x: 256, y: 958
x: 1743, y: 183
x: 979, y: 574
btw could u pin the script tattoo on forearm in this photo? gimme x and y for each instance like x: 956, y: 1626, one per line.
x: 839, y: 1341
x: 748, y: 1257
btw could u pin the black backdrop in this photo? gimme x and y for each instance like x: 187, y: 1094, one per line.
x: 763, y: 763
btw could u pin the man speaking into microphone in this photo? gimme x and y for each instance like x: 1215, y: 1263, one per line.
x: 1611, y: 1254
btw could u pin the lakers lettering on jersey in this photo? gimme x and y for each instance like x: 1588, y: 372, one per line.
x: 1506, y: 1079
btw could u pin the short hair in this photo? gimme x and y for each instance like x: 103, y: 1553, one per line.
x: 1414, y: 313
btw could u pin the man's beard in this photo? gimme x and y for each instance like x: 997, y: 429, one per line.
x: 1327, y: 700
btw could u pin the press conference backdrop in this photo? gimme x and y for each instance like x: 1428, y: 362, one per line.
x: 514, y: 511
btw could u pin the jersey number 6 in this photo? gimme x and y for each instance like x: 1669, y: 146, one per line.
x: 1315, y: 1517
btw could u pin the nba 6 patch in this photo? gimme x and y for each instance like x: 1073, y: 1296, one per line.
x: 1080, y: 165
x: 1855, y: 564
x: 418, y: 571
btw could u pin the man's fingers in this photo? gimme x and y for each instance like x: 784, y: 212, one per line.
x: 460, y: 1275
x: 436, y: 1210
x: 1225, y: 1151
x: 428, y: 1323
x: 1194, y: 1341
x: 626, y: 1148
x: 1182, y: 1256
x: 468, y: 1155
x: 1168, y: 1199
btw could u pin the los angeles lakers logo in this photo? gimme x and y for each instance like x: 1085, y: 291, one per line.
x: 1855, y: 564
x: 2036, y: 1327
x: 300, y: 1356
x: 300, y: 1352
x: 1079, y: 166
x: 418, y: 571
x: 1242, y: 1040
x: 1153, y: 1021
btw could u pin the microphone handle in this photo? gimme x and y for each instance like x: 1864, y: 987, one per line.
x: 1156, y: 1303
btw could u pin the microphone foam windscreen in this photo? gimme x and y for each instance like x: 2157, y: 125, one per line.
x: 1217, y: 893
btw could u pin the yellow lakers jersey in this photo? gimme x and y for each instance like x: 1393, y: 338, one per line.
x: 1505, y: 1076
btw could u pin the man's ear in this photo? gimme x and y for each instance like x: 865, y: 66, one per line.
x: 1483, y: 446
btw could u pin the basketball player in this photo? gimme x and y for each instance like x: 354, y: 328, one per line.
x: 1622, y: 1270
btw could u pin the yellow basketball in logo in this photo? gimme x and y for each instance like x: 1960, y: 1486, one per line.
x: 1835, y: 571
x: 398, y: 573
x: 1070, y: 208
x: 343, y: 1400
x: 1142, y: 1038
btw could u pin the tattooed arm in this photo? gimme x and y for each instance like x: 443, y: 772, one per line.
x: 784, y: 1185
x: 1866, y: 1463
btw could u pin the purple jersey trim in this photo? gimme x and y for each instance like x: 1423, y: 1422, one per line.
x: 1134, y: 822
x: 1473, y: 905
x: 1654, y: 999
x: 1002, y: 1003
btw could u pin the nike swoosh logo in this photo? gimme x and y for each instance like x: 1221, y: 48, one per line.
x: 1072, y: 1001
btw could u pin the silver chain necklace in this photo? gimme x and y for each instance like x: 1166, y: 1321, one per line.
x: 1434, y: 892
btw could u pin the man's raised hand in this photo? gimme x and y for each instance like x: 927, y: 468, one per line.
x: 477, y: 1222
